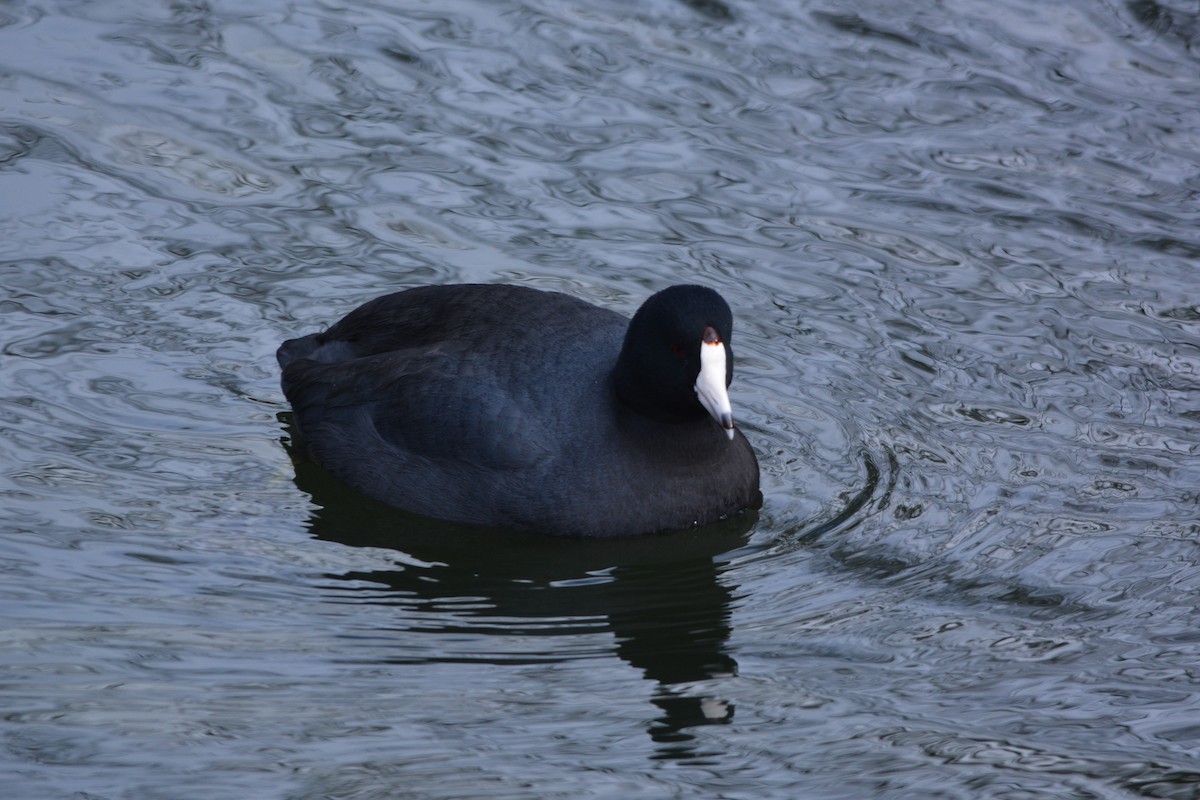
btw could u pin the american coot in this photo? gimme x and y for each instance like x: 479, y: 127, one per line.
x: 512, y: 407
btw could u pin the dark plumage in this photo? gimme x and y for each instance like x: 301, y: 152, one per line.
x: 517, y: 408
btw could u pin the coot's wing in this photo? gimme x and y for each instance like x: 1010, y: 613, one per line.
x: 439, y: 405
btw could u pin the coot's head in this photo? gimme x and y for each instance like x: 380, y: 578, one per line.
x: 676, y: 362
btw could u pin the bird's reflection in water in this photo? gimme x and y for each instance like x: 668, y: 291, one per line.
x: 663, y: 597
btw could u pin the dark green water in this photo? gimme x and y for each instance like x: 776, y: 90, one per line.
x: 960, y: 242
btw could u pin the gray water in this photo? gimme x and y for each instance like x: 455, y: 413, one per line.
x: 960, y: 241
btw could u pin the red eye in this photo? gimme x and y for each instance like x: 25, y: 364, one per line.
x: 677, y: 349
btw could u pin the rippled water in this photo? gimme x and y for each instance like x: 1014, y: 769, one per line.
x: 961, y: 245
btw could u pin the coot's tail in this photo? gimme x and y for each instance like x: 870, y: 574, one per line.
x: 296, y: 349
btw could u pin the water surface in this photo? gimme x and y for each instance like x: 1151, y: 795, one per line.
x: 961, y: 247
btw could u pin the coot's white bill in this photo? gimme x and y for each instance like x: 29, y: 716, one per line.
x: 710, y: 383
